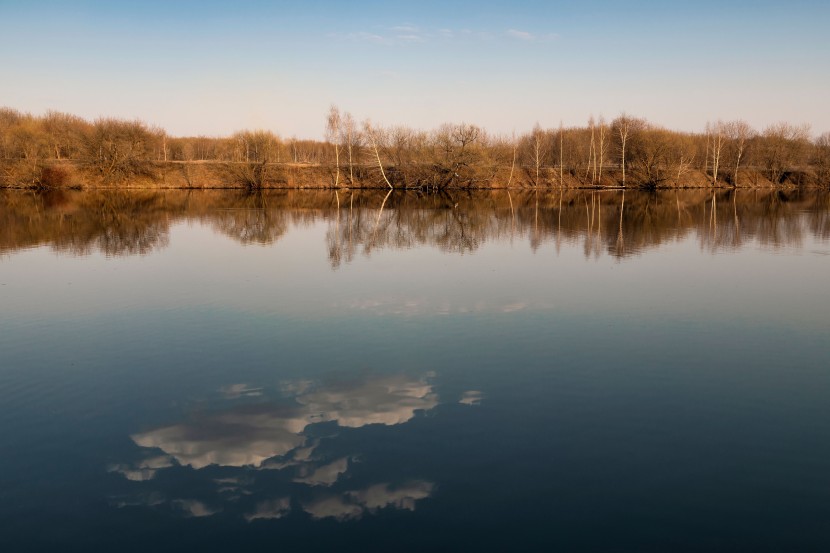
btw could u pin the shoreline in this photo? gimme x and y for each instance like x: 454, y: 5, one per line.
x: 218, y: 175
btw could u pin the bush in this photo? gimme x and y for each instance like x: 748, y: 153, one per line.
x: 53, y: 177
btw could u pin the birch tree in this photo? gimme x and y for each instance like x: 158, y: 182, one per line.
x: 373, y: 135
x: 537, y: 150
x: 603, y: 132
x: 352, y: 138
x: 333, y: 124
x: 739, y: 132
x: 622, y: 126
x: 716, y: 131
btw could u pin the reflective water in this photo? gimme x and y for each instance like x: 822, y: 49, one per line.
x: 370, y: 372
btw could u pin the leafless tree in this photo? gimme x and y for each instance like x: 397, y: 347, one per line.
x: 783, y: 149
x: 603, y: 131
x: 624, y: 126
x: 333, y: 124
x: 374, y: 136
x: 538, y: 150
x: 716, y: 131
x: 352, y: 140
x: 821, y: 158
x: 739, y: 133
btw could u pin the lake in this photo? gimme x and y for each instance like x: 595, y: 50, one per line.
x: 363, y: 371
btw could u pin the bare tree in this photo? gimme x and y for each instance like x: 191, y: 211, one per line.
x: 592, y: 154
x: 538, y: 150
x: 118, y: 149
x: 739, y: 132
x: 333, y: 124
x: 821, y: 158
x: 603, y: 131
x: 561, y: 159
x: 351, y: 136
x: 623, y: 126
x: 784, y: 148
x: 716, y: 131
x: 372, y: 133
x: 514, y: 146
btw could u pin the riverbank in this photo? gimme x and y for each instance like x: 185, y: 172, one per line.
x: 70, y: 174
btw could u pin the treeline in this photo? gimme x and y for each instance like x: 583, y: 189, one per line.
x: 62, y: 150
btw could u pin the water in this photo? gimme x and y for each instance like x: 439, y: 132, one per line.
x: 311, y: 371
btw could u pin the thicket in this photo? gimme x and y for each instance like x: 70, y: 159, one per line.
x: 61, y: 150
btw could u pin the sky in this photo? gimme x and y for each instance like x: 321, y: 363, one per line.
x: 212, y: 67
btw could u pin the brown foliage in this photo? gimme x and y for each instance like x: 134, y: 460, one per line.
x: 59, y: 150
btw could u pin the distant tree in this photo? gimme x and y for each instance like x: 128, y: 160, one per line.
x: 66, y: 134
x: 376, y: 137
x: 650, y: 153
x: 538, y: 151
x: 9, y: 119
x: 783, y: 148
x: 623, y: 127
x: 716, y: 133
x: 739, y: 133
x: 352, y: 139
x: 602, y: 146
x: 821, y: 158
x: 118, y: 149
x: 333, y: 124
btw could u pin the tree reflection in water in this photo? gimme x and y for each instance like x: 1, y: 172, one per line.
x: 130, y: 222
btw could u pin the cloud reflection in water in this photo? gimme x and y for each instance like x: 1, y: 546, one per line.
x: 257, y: 435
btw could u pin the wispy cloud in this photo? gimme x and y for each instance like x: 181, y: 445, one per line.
x: 527, y: 36
x: 405, y: 29
x: 521, y: 35
x: 412, y: 34
x: 361, y: 36
x: 410, y: 38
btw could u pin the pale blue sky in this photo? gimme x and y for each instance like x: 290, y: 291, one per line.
x: 213, y: 67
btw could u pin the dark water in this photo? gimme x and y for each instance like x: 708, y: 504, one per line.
x: 184, y: 371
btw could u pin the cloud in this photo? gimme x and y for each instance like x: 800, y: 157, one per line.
x: 410, y: 38
x: 272, y: 437
x: 250, y: 435
x: 247, y: 436
x: 386, y: 400
x: 325, y: 475
x: 521, y: 35
x: 194, y: 508
x: 272, y: 509
x: 426, y: 306
x: 405, y: 29
x: 334, y: 506
x: 352, y: 505
x: 143, y: 470
x: 152, y: 499
x: 232, y: 488
x: 235, y: 391
x: 361, y: 36
x: 527, y: 36
x: 411, y: 34
x: 382, y: 495
x: 473, y: 397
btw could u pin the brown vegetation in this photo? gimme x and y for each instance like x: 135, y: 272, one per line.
x: 59, y: 150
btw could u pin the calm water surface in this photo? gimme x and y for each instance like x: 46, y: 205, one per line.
x: 185, y: 371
